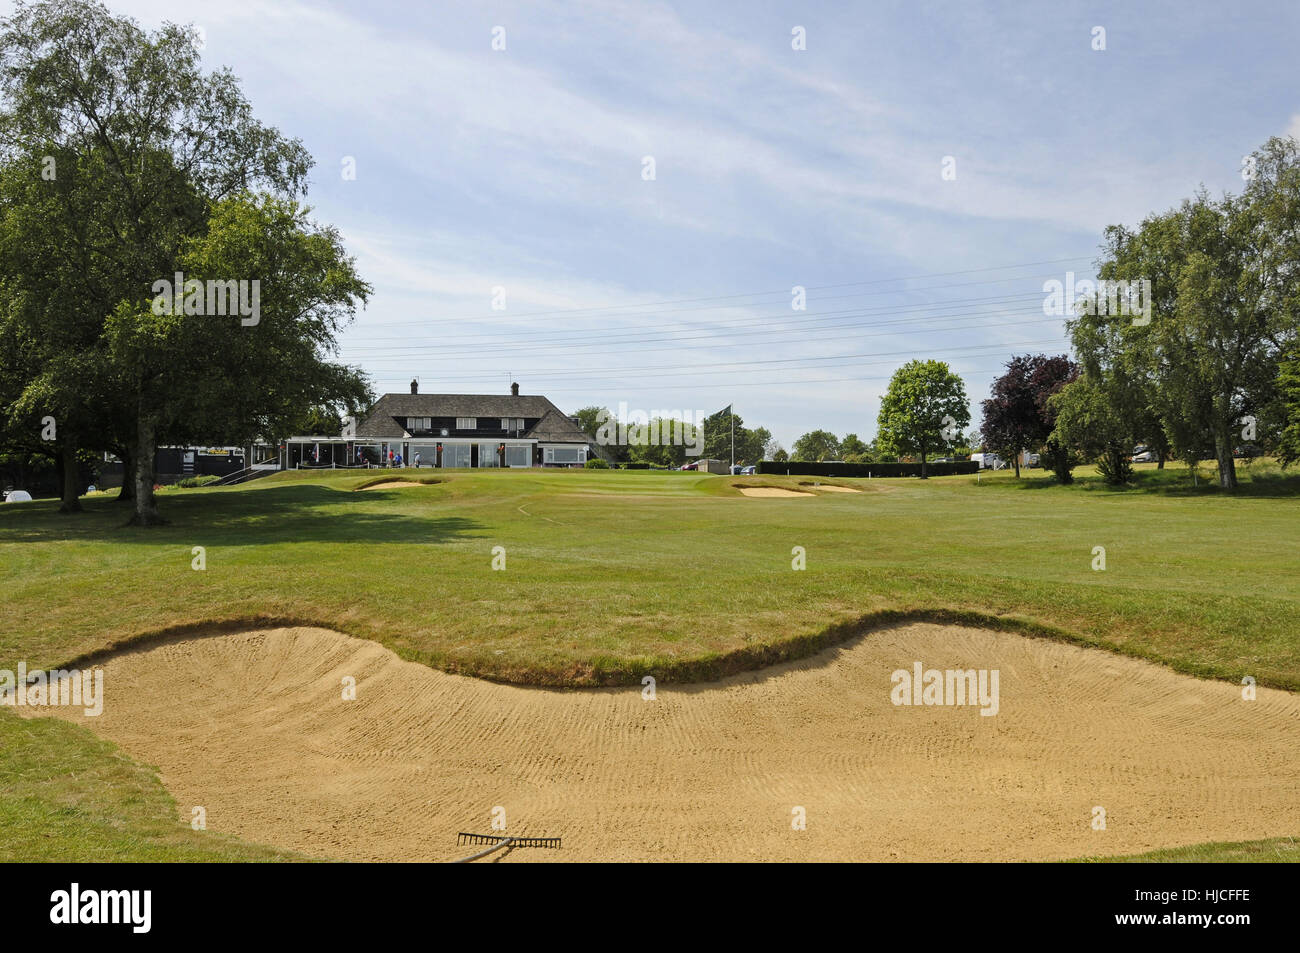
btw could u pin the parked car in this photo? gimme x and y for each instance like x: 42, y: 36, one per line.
x: 737, y: 469
x: 690, y: 466
x: 1143, y: 454
x: 749, y: 471
x: 1031, y: 460
x: 989, y: 461
x: 1247, y: 451
x: 18, y: 496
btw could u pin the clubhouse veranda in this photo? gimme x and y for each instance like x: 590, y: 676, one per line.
x: 451, y: 430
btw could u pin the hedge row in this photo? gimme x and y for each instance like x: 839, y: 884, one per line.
x: 809, y: 468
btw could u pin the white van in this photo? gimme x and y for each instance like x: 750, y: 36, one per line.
x: 988, y: 461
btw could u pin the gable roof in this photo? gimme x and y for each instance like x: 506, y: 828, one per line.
x: 557, y: 428
x: 552, y: 425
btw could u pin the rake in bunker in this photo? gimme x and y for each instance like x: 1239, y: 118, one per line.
x: 495, y: 842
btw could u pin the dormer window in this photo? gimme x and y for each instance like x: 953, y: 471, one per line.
x: 467, y: 423
x: 512, y: 423
x: 414, y: 424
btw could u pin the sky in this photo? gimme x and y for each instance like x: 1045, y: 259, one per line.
x: 518, y: 177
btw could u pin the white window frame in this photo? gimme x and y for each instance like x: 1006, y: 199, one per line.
x: 467, y: 423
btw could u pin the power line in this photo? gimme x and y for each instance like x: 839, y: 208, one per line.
x: 849, y: 360
x: 758, y: 294
x: 585, y: 337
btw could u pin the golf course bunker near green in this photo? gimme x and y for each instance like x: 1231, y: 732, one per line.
x: 258, y: 728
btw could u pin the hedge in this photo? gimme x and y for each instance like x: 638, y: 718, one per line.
x: 810, y: 468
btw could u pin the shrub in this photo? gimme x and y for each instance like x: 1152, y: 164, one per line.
x: 189, y: 482
x: 597, y: 463
x: 809, y: 468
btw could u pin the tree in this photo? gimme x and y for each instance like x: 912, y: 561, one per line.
x: 922, y: 410
x: 816, y: 445
x: 1225, y: 300
x: 1015, y: 414
x: 253, y: 378
x: 146, y: 154
x: 779, y: 455
x: 750, y: 444
x: 1288, y: 443
x: 854, y: 450
x: 1086, y: 420
x: 590, y: 420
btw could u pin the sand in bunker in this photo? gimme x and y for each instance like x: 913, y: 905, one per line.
x: 773, y: 491
x: 253, y: 727
x: 393, y: 484
x: 833, y: 489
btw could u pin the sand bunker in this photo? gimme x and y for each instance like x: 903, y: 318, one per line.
x: 773, y: 491
x: 253, y: 727
x: 393, y: 484
x: 831, y: 488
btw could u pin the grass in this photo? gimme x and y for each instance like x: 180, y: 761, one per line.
x: 614, y: 574
x: 66, y: 795
x: 1276, y: 850
x: 611, y: 575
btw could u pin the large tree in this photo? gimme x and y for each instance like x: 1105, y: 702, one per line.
x: 1225, y: 285
x: 1016, y: 416
x: 133, y: 155
x: 253, y: 379
x: 1288, y: 443
x: 923, y: 409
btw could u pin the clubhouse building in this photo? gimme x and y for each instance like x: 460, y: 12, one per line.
x: 454, y: 430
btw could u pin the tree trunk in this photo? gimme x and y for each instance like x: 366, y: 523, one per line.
x: 68, y: 462
x: 1160, y: 459
x: 146, y: 509
x: 127, y: 493
x: 1223, y: 454
x: 923, y: 476
x: 1016, y: 457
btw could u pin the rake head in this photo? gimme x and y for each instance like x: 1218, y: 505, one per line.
x: 475, y: 840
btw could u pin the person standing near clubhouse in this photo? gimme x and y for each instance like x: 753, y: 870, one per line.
x: 390, y: 458
x: 417, y: 459
x: 398, y: 461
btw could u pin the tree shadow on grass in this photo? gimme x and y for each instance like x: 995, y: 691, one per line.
x: 285, y: 514
x: 1174, y: 484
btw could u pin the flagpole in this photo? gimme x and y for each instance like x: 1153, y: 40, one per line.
x: 732, y: 409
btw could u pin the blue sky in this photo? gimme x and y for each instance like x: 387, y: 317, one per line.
x: 523, y: 169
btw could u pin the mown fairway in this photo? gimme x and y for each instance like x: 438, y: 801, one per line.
x: 613, y: 574
x: 610, y: 575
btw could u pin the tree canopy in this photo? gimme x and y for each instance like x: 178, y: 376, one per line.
x: 925, y: 408
x: 123, y: 164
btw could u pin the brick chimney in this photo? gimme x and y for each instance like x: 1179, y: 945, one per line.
x: 415, y: 386
x: 514, y: 390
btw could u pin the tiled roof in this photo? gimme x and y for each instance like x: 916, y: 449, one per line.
x: 557, y: 428
x: 388, y: 417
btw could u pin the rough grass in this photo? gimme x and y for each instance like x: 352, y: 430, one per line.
x: 1277, y: 850
x: 66, y: 795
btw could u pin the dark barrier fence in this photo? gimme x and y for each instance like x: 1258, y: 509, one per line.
x: 808, y: 468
